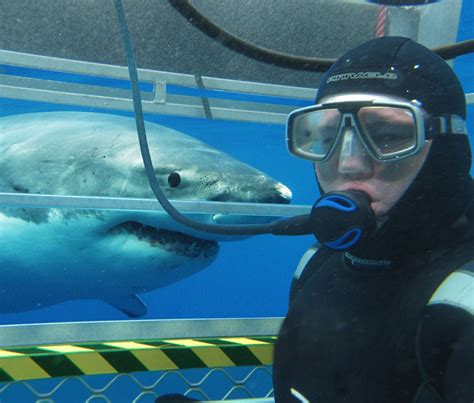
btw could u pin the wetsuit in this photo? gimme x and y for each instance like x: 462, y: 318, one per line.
x: 361, y: 333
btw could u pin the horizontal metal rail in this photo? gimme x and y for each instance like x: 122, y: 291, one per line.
x: 156, y: 107
x: 120, y: 72
x: 39, y: 362
x: 21, y: 200
x: 78, y: 359
x: 101, y: 331
x: 158, y: 101
x: 39, y: 351
x: 470, y: 98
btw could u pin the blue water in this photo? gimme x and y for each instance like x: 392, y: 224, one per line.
x: 258, y: 284
x: 250, y: 278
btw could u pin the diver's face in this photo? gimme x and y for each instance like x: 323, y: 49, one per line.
x: 352, y: 168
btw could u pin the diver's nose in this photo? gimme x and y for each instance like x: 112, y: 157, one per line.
x: 354, y: 161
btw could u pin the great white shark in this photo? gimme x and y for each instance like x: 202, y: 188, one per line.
x: 51, y: 255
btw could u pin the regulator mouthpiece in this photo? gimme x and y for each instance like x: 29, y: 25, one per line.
x: 340, y: 220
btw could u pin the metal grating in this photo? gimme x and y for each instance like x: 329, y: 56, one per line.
x: 247, y: 376
x: 208, y: 384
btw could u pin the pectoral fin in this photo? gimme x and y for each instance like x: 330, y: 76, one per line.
x: 130, y: 305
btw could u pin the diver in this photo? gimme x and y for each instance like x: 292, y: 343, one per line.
x: 385, y: 312
x: 391, y: 317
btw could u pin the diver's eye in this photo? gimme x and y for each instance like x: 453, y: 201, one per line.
x: 174, y: 179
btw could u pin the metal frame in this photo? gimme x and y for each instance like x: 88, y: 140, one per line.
x: 23, y: 200
x: 159, y: 101
x: 78, y: 332
x: 33, y: 89
x: 83, y: 359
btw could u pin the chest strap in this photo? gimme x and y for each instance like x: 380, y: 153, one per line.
x: 304, y: 261
x: 457, y: 290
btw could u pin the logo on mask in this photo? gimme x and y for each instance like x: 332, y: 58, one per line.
x: 362, y: 75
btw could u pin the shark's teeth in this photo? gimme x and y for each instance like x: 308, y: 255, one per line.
x: 171, y: 241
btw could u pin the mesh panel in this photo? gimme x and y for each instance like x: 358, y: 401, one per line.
x: 142, y: 387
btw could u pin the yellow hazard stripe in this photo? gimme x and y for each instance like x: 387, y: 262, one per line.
x: 35, y: 362
x: 213, y: 357
x: 155, y: 360
x: 88, y: 362
x: 264, y: 355
x: 91, y: 364
x: 22, y: 368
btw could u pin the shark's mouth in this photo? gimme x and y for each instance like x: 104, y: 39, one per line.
x: 171, y: 241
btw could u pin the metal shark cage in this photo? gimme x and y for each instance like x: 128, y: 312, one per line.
x: 142, y: 357
x: 43, y: 360
x: 47, y: 360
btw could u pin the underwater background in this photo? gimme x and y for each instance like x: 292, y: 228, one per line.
x: 251, y: 277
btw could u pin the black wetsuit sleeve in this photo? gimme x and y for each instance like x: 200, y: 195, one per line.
x: 459, y: 376
x: 446, y: 346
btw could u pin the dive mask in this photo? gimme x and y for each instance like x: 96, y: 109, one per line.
x: 387, y: 128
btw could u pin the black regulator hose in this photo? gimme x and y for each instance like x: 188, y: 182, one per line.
x: 298, y: 225
x: 339, y: 220
x: 457, y: 49
x: 280, y: 59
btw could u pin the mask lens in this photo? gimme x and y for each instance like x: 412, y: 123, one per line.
x: 314, y: 133
x: 390, y: 130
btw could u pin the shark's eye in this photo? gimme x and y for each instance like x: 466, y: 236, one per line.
x: 174, y: 179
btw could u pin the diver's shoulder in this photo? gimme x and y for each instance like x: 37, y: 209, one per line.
x: 457, y: 289
x: 310, y: 263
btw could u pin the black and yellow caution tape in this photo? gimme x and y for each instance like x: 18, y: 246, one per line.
x: 26, y: 363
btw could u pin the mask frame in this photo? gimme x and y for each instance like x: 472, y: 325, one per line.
x: 348, y: 105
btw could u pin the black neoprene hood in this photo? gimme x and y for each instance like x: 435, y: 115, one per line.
x: 401, y: 67
x: 442, y: 190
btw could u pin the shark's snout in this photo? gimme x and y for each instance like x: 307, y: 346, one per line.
x: 282, y: 195
x: 253, y: 192
x: 276, y: 194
